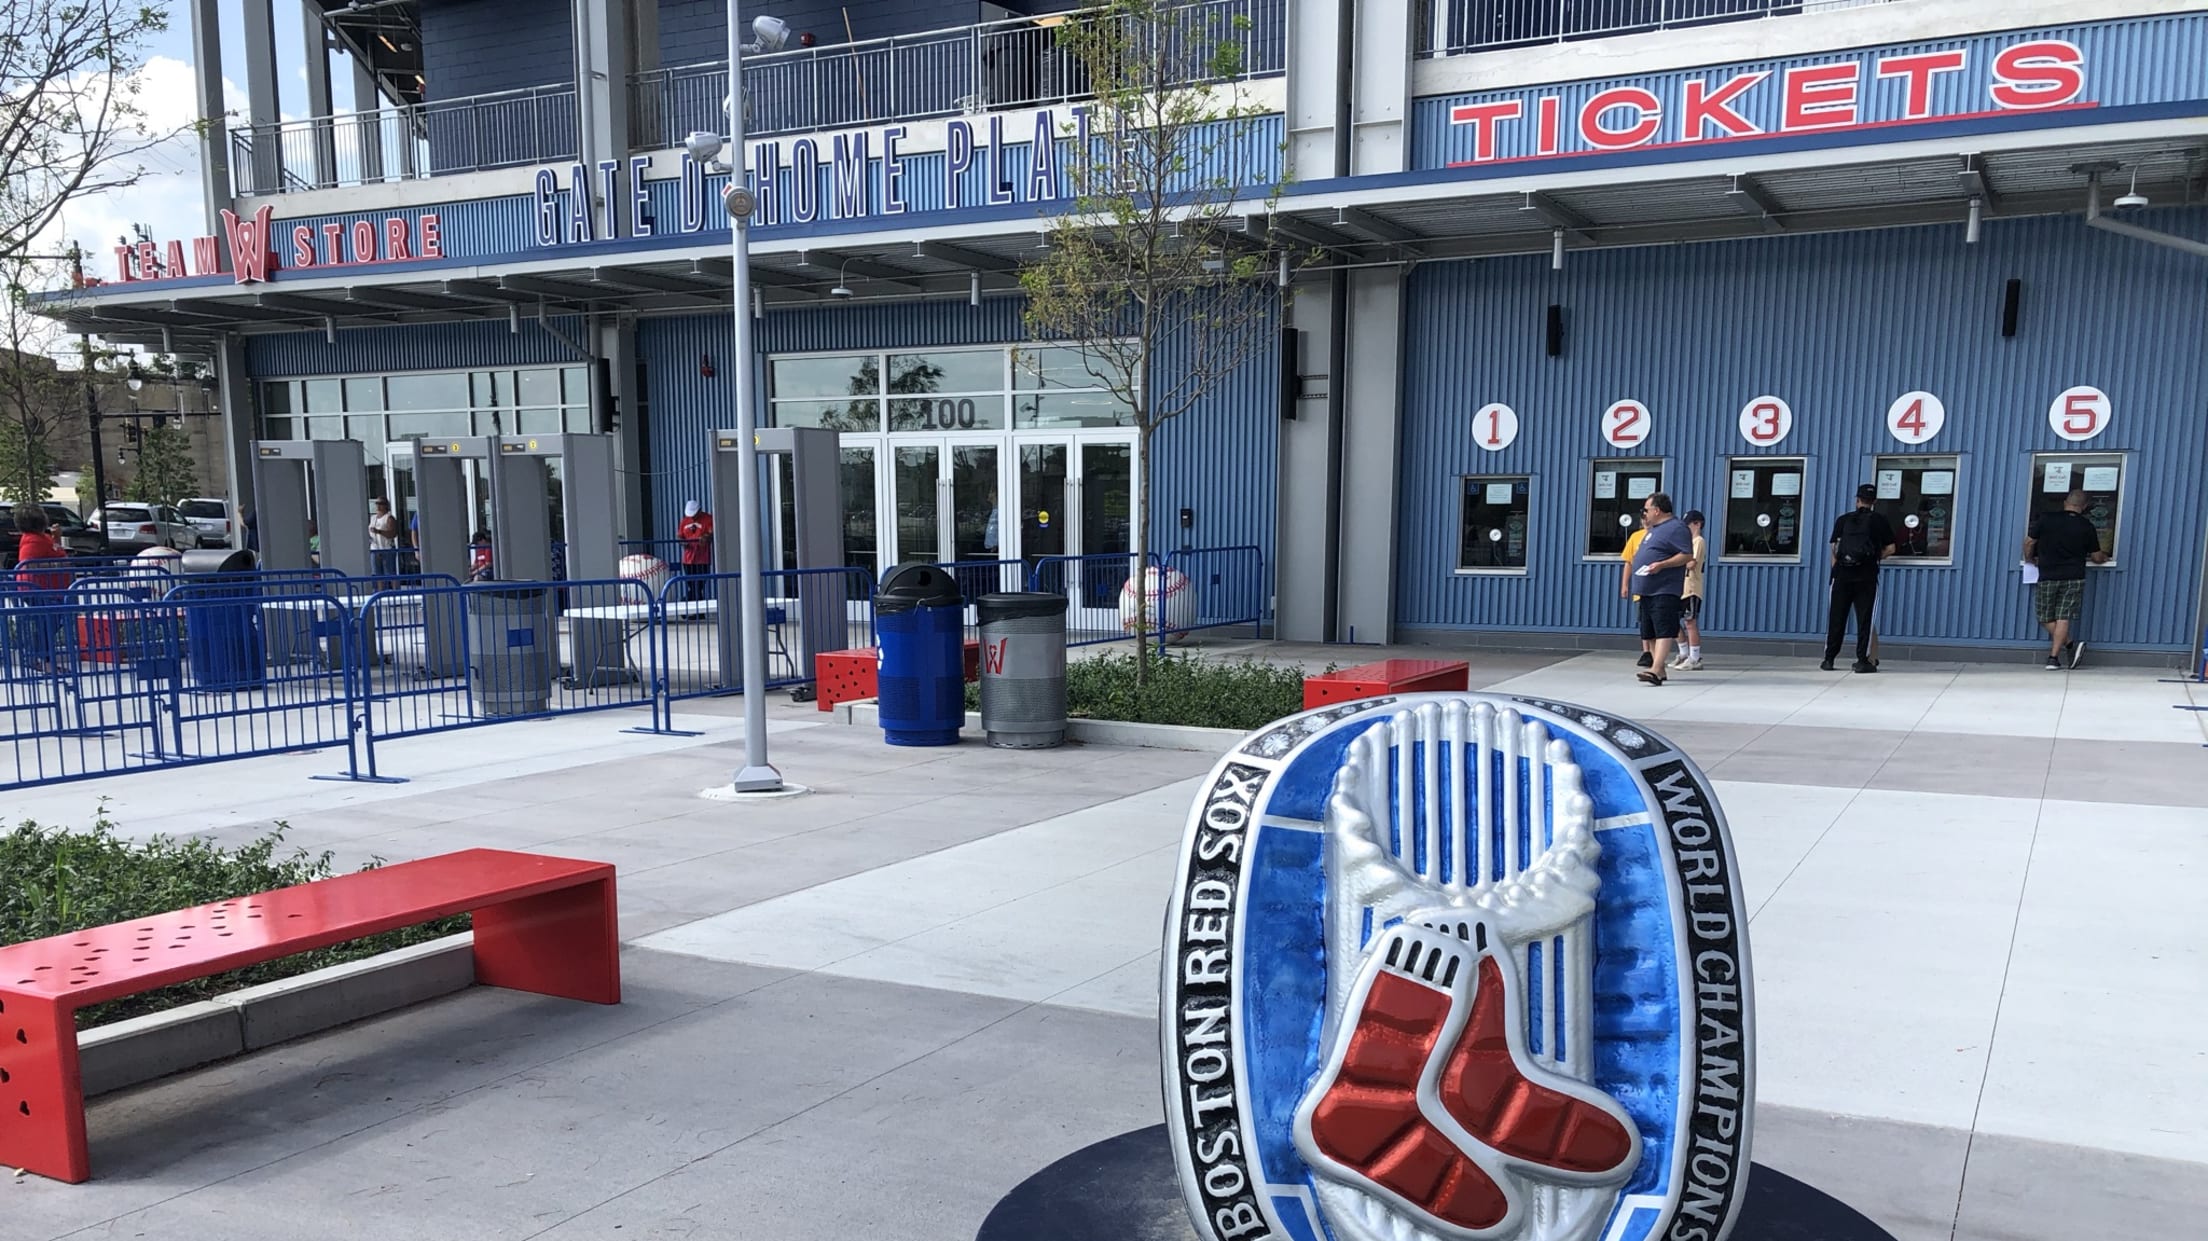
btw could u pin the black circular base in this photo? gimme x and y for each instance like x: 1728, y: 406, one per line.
x: 1125, y: 1189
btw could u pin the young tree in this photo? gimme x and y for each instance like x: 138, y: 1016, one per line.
x: 69, y: 118
x: 166, y: 472
x: 1154, y: 250
x: 35, y: 394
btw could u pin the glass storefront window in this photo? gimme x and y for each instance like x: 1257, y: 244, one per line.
x: 1492, y: 534
x: 1763, y: 508
x: 2100, y: 475
x: 1917, y: 497
x: 440, y: 426
x: 538, y: 422
x: 575, y: 384
x: 966, y: 370
x: 1070, y: 409
x: 578, y: 421
x: 537, y: 387
x: 493, y: 389
x: 861, y: 532
x: 1051, y: 366
x: 324, y: 396
x: 864, y: 414
x: 363, y: 394
x: 1616, y: 487
x: 413, y: 393
x: 853, y: 375
x: 276, y: 398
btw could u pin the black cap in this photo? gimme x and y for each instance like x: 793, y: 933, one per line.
x: 1693, y: 515
x: 1866, y: 492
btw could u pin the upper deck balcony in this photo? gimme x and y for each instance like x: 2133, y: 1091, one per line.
x: 963, y: 70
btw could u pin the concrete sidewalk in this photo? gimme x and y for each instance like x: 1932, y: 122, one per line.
x: 874, y: 1010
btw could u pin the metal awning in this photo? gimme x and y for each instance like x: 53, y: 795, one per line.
x: 1446, y: 221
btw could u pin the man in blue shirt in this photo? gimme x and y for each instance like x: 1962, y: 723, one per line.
x: 1660, y: 575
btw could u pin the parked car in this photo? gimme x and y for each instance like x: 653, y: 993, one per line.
x: 211, y: 517
x: 76, y: 537
x: 132, y: 528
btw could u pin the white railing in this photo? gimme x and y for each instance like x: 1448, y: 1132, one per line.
x: 510, y: 128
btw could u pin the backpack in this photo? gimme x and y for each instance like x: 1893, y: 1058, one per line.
x: 1856, y: 548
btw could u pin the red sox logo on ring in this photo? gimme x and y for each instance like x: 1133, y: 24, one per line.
x: 1458, y: 967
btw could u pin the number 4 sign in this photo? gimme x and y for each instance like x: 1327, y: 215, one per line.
x: 1625, y: 424
x: 1765, y: 421
x: 1915, y: 417
x: 2079, y: 413
x: 1494, y: 427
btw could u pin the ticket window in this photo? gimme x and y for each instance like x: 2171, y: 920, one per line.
x: 1492, y: 527
x: 2099, y: 475
x: 1763, y: 508
x: 1916, y: 495
x: 1616, y: 488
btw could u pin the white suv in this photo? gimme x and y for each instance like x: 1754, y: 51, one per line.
x: 211, y: 517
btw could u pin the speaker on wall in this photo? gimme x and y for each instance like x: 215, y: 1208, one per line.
x: 1556, y: 331
x: 2010, y: 297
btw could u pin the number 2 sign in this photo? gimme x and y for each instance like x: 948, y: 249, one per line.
x: 2079, y: 413
x: 1495, y: 426
x: 1765, y: 421
x: 1625, y: 424
x: 1915, y: 417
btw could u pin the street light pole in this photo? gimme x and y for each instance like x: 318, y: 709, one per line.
x: 91, y: 412
x: 757, y: 775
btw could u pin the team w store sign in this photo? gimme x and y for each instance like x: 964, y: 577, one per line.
x: 1989, y: 81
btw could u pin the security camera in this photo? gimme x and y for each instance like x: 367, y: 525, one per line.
x: 703, y: 146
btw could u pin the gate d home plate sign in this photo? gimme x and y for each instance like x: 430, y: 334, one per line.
x: 1458, y: 967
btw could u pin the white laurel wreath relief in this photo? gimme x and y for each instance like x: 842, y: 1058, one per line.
x: 1508, y: 778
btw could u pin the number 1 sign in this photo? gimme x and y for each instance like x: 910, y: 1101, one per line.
x: 1625, y: 424
x: 1765, y: 421
x: 1494, y: 427
x: 1915, y: 417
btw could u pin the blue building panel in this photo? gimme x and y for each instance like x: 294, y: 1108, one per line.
x: 1838, y: 325
x: 476, y: 47
x: 412, y: 347
x: 2097, y: 73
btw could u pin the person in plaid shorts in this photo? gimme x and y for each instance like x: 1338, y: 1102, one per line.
x: 2062, y: 544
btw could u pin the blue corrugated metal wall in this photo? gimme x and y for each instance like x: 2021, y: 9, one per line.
x: 1838, y: 325
x: 413, y: 347
x: 1219, y: 459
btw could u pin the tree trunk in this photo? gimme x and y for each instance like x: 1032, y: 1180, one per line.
x: 1141, y: 543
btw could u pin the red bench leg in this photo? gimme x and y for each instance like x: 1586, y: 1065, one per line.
x: 41, y: 1096
x: 565, y: 943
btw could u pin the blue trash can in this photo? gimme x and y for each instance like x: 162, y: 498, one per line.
x: 222, y: 628
x: 919, y: 622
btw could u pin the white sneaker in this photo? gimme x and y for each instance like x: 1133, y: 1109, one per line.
x: 1678, y: 660
x: 1692, y: 665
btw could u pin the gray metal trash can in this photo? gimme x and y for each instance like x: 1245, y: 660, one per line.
x: 510, y: 651
x: 1023, y: 670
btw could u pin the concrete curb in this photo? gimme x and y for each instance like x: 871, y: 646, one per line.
x: 863, y: 713
x: 128, y: 1053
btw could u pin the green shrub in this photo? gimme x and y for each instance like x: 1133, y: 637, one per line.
x: 54, y: 881
x: 1183, y: 689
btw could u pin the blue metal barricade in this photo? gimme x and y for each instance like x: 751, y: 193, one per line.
x: 808, y: 612
x: 1227, y: 587
x: 1093, y: 583
x: 976, y: 578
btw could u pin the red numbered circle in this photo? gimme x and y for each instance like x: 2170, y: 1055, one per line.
x: 2080, y: 413
x: 1494, y: 427
x: 1765, y: 421
x: 1915, y: 417
x: 1625, y: 424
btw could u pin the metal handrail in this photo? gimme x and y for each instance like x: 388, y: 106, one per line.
x: 468, y: 133
x: 1456, y: 27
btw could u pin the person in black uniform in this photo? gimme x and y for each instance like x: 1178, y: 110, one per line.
x: 1860, y: 539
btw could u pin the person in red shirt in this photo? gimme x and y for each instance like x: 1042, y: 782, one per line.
x: 44, y: 586
x: 696, y: 533
x: 479, y: 556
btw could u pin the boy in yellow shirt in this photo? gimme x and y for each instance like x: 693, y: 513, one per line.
x: 1625, y: 585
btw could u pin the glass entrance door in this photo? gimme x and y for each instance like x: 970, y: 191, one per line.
x: 1076, y: 498
x: 916, y: 499
x: 1107, y: 526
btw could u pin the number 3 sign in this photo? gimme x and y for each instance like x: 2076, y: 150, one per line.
x: 1494, y: 427
x: 1625, y: 424
x: 2080, y: 413
x: 1765, y: 421
x: 1915, y: 417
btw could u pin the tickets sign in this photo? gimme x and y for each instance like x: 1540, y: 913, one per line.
x: 1979, y: 81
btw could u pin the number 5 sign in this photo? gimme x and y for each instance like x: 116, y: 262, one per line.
x: 1625, y: 424
x: 1915, y: 417
x: 2080, y: 413
x: 1494, y: 427
x: 1765, y: 421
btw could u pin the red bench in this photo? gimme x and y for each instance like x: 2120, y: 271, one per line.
x: 1387, y: 676
x: 542, y: 924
